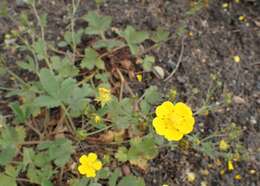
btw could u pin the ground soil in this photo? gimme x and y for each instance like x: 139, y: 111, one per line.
x: 217, y: 36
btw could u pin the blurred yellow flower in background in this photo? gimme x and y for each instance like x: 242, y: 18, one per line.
x: 173, y: 121
x: 223, y: 145
x: 104, y: 96
x: 89, y: 165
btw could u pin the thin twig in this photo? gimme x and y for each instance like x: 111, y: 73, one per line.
x: 122, y: 79
x: 179, y: 61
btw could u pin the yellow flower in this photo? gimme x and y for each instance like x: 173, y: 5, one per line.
x: 230, y: 165
x: 104, y: 96
x: 191, y: 176
x: 139, y: 77
x: 173, y: 121
x: 89, y: 165
x: 236, y: 59
x: 241, y: 18
x: 225, y: 5
x: 97, y: 118
x: 223, y: 145
x: 237, y: 177
x: 237, y: 1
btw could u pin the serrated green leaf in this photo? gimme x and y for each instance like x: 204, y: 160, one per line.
x: 131, y: 181
x: 134, y: 38
x: 20, y: 116
x: 61, y: 156
x: 97, y: 24
x: 160, y: 35
x: 46, y: 101
x: 108, y: 44
x: 39, y: 47
x: 152, y: 95
x: 64, y: 67
x: 113, y: 178
x: 49, y: 82
x: 91, y: 60
x: 148, y: 62
x: 121, y: 154
x: 67, y: 88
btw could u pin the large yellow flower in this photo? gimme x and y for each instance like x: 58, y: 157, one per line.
x: 89, y: 165
x: 104, y: 96
x: 173, y: 121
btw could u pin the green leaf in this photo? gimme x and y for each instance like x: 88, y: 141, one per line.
x: 131, y: 181
x: 121, y: 154
x: 49, y: 82
x: 108, y: 44
x: 20, y: 116
x: 79, y: 182
x: 148, y: 62
x: 142, y: 148
x: 29, y: 65
x: 97, y: 24
x: 7, y: 180
x: 152, y: 95
x: 67, y: 88
x: 91, y: 60
x: 122, y: 114
x: 46, y: 101
x: 160, y: 35
x: 64, y: 67
x: 104, y: 173
x: 113, y: 178
x: 10, y: 138
x: 61, y: 156
x: 134, y: 38
x: 39, y: 47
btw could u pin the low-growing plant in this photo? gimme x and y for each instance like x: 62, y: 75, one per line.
x: 69, y: 98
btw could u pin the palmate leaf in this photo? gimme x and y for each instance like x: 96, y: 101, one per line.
x: 133, y: 38
x: 49, y: 82
x: 60, y: 156
x: 131, y: 181
x: 160, y: 35
x: 91, y: 60
x: 97, y: 24
x: 64, y: 67
x: 108, y: 44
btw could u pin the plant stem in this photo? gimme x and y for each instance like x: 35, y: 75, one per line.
x: 98, y: 131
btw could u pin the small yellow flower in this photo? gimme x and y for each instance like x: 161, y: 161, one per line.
x: 223, y: 145
x: 236, y: 59
x: 97, y: 118
x: 139, y: 77
x: 230, y: 165
x: 165, y: 185
x: 173, y: 121
x: 191, y: 176
x: 225, y: 5
x: 241, y: 18
x: 237, y: 177
x: 89, y: 165
x: 237, y: 1
x: 104, y: 96
x: 190, y: 34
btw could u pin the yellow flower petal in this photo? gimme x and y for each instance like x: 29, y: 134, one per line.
x: 173, y: 135
x: 230, y: 165
x: 83, y: 159
x: 159, y: 125
x: 83, y: 169
x: 187, y: 125
x: 182, y: 109
x: 91, y: 173
x: 223, y: 145
x: 164, y: 109
x: 92, y: 157
x: 97, y: 165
